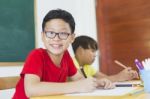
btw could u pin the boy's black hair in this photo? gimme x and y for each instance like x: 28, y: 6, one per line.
x: 59, y: 14
x: 85, y: 42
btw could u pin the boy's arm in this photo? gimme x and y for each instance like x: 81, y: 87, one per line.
x: 100, y: 75
x: 77, y: 76
x: 113, y: 78
x: 34, y: 87
x: 126, y: 74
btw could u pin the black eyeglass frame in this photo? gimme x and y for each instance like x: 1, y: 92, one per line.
x: 59, y: 35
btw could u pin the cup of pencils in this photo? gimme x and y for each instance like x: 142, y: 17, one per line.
x: 144, y: 69
x: 145, y: 76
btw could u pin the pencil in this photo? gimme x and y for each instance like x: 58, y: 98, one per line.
x: 129, y: 85
x: 120, y: 64
x: 82, y: 70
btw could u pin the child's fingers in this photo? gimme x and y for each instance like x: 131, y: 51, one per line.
x: 109, y: 85
x: 128, y: 68
x: 94, y: 81
x: 135, y: 74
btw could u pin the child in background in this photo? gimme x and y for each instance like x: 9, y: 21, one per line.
x: 85, y: 49
x: 46, y: 70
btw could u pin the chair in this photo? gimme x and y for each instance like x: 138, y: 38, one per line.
x: 8, y: 82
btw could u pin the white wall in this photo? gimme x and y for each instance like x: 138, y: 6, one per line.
x: 83, y: 12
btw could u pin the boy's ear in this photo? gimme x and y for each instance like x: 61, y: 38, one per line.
x: 72, y: 37
x: 42, y: 35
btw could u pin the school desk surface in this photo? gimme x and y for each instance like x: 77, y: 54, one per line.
x: 117, y: 93
x: 138, y: 96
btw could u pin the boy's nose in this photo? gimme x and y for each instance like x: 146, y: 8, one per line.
x: 56, y: 37
x: 94, y: 54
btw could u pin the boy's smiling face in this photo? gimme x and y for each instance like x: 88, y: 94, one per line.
x: 57, y: 46
x: 85, y: 56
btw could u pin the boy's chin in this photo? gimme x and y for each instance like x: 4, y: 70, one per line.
x: 57, y: 53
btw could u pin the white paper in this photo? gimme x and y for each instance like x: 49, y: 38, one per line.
x: 118, y: 91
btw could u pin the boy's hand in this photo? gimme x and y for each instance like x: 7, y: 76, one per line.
x: 105, y: 83
x: 127, y: 74
x: 86, y: 85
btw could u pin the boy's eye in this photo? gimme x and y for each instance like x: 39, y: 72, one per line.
x: 51, y: 32
x: 93, y: 50
x: 63, y: 33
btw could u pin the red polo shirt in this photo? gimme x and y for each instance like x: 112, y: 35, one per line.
x: 39, y: 63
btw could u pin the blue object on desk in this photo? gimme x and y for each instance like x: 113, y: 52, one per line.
x: 145, y: 75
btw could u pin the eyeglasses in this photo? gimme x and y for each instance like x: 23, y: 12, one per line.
x: 61, y: 35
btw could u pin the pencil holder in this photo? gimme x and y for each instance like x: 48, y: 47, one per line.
x: 145, y: 76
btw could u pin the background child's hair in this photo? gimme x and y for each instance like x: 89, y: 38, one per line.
x: 59, y: 14
x: 85, y: 42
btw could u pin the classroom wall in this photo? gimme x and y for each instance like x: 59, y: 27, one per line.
x: 83, y: 12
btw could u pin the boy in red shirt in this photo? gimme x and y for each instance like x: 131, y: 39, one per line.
x: 46, y: 70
